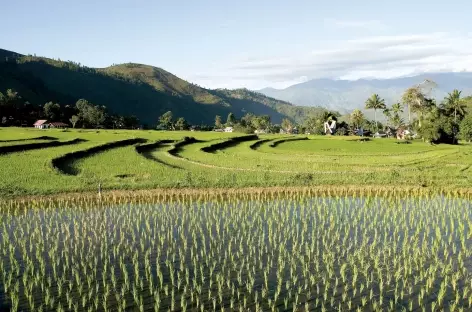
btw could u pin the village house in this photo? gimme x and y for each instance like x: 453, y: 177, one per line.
x: 41, y: 124
x: 59, y: 125
x: 44, y: 124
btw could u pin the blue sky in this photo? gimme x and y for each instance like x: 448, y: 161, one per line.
x: 254, y: 44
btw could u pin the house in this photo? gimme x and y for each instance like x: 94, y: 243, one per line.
x: 380, y: 134
x: 260, y: 131
x: 59, y: 125
x: 228, y: 129
x: 41, y: 124
x: 289, y: 131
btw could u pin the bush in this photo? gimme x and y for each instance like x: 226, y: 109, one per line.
x: 441, y: 129
x: 466, y: 128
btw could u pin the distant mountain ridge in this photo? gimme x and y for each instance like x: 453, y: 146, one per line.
x: 346, y: 95
x: 135, y: 89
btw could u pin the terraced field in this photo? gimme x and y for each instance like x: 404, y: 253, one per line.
x: 37, y: 162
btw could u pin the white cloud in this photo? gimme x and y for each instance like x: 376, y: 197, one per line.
x: 366, y: 57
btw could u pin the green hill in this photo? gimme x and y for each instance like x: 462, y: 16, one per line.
x: 134, y: 89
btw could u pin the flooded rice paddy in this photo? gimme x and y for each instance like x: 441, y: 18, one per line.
x: 298, y: 253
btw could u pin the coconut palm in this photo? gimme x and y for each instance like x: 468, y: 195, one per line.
x: 453, y: 102
x: 397, y: 108
x: 357, y: 117
x: 388, y: 114
x: 375, y: 102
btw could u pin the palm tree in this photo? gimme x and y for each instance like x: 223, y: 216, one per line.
x: 395, y: 118
x: 454, y: 102
x: 375, y: 102
x: 388, y: 114
x: 397, y: 108
x: 357, y: 117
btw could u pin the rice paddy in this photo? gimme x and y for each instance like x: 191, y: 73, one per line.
x: 191, y: 221
x: 37, y: 162
x: 268, y: 251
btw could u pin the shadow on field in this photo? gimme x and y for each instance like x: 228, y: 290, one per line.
x: 38, y: 145
x: 275, y: 143
x: 65, y: 163
x: 45, y: 137
x: 228, y: 143
x: 174, y: 151
x: 256, y: 145
x: 146, y: 151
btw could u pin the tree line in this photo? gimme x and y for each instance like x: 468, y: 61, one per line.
x: 16, y: 111
x: 447, y: 121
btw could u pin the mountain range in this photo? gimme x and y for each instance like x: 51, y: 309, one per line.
x: 346, y: 95
x: 135, y: 89
x: 147, y: 92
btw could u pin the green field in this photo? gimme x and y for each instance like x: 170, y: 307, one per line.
x: 195, y: 238
x: 316, y: 161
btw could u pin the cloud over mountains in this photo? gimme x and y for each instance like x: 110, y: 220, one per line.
x: 378, y: 57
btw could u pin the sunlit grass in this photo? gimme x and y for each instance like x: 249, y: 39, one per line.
x: 328, y: 161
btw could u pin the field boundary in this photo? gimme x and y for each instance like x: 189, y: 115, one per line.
x: 278, y: 142
x: 39, y: 145
x: 62, y: 163
x: 228, y: 143
x: 178, y: 145
x: 145, y: 151
x: 257, y: 144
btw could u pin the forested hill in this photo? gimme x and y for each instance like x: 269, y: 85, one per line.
x: 134, y: 89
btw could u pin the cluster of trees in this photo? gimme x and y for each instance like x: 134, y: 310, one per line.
x: 247, y: 124
x: 167, y: 122
x: 447, y: 121
x: 16, y: 111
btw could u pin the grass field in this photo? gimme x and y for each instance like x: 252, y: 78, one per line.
x: 267, y: 161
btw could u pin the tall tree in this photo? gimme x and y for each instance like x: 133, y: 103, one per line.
x: 454, y: 103
x: 181, y: 124
x: 165, y: 120
x: 261, y: 122
x: 218, y: 122
x: 91, y: 115
x: 416, y: 98
x: 73, y: 120
x: 397, y: 108
x: 246, y: 120
x: 466, y: 128
x: 375, y: 102
x: 357, y: 118
x: 287, y: 125
x: 52, y: 111
x: 393, y: 115
x: 231, y: 120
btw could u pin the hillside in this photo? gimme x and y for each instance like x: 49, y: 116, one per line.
x: 346, y: 95
x: 133, y: 89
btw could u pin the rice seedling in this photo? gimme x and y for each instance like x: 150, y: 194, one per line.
x: 254, y: 251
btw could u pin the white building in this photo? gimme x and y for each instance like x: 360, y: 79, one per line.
x: 41, y: 124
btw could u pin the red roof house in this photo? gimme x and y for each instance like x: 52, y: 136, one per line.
x: 41, y: 124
